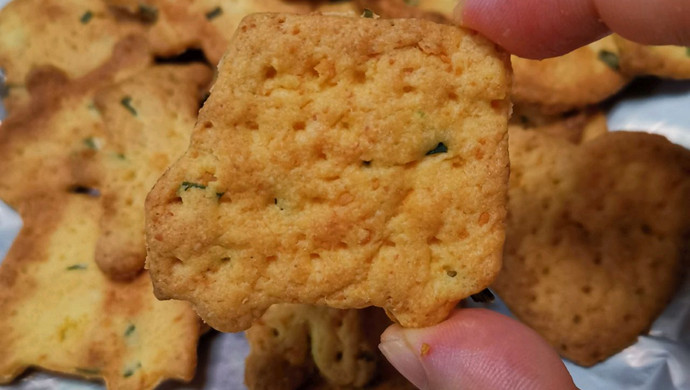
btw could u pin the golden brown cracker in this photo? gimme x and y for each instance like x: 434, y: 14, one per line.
x: 575, y: 127
x: 585, y: 76
x: 61, y: 314
x: 75, y: 36
x: 308, y: 338
x: 147, y: 119
x: 663, y: 61
x: 301, y: 346
x: 301, y: 185
x: 595, y: 237
x: 44, y: 145
x: 207, y: 24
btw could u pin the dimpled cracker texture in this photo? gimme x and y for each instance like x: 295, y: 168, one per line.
x: 60, y: 313
x: 295, y: 344
x: 595, y: 237
x: 585, y: 76
x: 148, y: 120
x: 340, y: 161
x: 75, y: 36
x: 663, y: 61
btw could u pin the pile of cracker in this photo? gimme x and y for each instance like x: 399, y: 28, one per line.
x: 339, y: 162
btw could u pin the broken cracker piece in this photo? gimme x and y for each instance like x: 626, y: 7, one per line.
x: 293, y: 342
x: 339, y: 161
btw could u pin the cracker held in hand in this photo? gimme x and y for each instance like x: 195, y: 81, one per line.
x: 340, y: 161
x: 595, y: 237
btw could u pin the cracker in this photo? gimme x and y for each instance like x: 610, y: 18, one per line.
x: 47, y: 139
x: 206, y: 24
x: 594, y: 238
x: 60, y: 313
x: 75, y: 36
x: 401, y: 9
x: 577, y: 127
x: 299, y: 339
x: 663, y: 61
x: 148, y: 120
x: 301, y: 186
x: 585, y: 76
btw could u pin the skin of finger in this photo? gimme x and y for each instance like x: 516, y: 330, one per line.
x: 533, y: 28
x: 658, y: 22
x: 481, y: 349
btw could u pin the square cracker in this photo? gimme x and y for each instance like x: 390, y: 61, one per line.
x: 340, y: 161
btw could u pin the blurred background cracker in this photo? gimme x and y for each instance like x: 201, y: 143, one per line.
x: 596, y: 237
x: 61, y: 314
x: 148, y: 120
x: 74, y: 36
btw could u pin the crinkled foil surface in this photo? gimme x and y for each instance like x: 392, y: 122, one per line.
x: 658, y: 360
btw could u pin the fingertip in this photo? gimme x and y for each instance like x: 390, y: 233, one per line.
x: 533, y: 28
x: 475, y: 349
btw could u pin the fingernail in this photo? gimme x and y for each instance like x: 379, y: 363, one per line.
x: 405, y: 359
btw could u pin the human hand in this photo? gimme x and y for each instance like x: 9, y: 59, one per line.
x: 548, y: 28
x: 475, y: 349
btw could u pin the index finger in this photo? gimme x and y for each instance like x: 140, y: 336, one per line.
x: 548, y: 28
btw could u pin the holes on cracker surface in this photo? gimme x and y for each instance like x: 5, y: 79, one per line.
x: 270, y: 72
x: 84, y: 190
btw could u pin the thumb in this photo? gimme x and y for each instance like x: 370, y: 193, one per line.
x: 475, y: 349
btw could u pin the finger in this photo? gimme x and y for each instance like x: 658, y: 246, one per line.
x: 475, y: 349
x: 547, y: 28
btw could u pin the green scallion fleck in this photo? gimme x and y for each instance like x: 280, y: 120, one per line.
x: 367, y: 13
x: 120, y: 156
x: 131, y: 370
x: 440, y: 148
x: 130, y: 329
x: 127, y: 103
x: 219, y: 195
x: 148, y: 13
x: 451, y: 273
x: 687, y: 51
x: 76, y: 267
x: 90, y: 143
x: 214, y: 13
x: 86, y: 17
x: 610, y: 59
x: 186, y: 185
x: 412, y: 2
x: 88, y: 371
x: 224, y: 259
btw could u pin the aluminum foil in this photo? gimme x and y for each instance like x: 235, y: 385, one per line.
x: 659, y: 359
